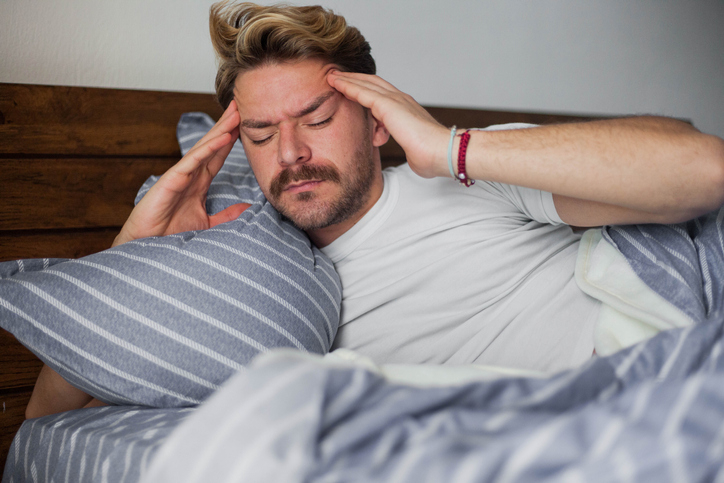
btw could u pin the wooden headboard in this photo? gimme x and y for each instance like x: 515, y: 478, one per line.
x: 71, y: 161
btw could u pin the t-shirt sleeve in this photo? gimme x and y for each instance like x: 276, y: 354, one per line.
x: 535, y: 204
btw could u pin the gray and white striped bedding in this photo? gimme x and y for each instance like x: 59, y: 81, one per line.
x: 107, y: 444
x: 689, y: 257
x: 164, y: 321
x: 652, y: 412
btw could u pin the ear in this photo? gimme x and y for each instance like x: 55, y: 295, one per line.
x: 380, y: 134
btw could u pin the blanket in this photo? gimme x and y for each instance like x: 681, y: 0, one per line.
x: 651, y: 412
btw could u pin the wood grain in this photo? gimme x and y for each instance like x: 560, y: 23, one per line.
x: 12, y: 415
x: 79, y: 121
x: 18, y: 366
x: 52, y: 193
x: 15, y: 245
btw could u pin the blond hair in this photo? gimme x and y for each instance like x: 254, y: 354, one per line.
x: 246, y: 36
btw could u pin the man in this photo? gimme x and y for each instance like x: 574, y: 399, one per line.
x: 432, y: 270
x: 495, y: 286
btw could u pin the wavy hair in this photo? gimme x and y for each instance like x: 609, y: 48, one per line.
x: 246, y: 35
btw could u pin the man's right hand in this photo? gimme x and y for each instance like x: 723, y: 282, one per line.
x: 177, y: 202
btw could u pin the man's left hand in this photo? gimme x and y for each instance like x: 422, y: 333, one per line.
x: 421, y: 137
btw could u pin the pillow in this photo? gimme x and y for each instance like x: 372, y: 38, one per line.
x: 163, y: 321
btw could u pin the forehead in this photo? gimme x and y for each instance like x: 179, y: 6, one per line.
x: 279, y: 89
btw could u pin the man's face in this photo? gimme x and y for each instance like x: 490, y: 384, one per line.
x: 312, y: 150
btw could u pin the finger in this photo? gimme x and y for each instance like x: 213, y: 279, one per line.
x: 228, y: 214
x: 229, y: 112
x: 228, y: 121
x: 230, y: 109
x: 359, y: 87
x: 218, y: 160
x: 205, y: 153
x: 371, y: 97
x: 371, y: 90
x: 231, y: 126
x: 218, y: 156
x: 225, y: 116
x: 355, y: 85
x: 365, y: 79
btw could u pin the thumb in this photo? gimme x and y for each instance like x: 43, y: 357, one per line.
x: 228, y: 214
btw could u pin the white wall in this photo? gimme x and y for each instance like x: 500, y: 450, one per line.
x: 588, y: 56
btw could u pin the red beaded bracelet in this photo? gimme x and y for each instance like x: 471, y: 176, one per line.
x: 462, y: 151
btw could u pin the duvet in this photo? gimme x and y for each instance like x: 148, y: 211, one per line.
x: 651, y: 412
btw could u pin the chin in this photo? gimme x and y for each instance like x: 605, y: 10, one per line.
x: 334, y: 203
x: 311, y: 219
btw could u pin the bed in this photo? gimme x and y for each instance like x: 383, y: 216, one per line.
x: 71, y: 162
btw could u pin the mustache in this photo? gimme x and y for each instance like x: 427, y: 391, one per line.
x: 303, y: 173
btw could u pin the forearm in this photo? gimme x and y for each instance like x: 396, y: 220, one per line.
x: 655, y: 165
x: 632, y: 170
x: 53, y: 394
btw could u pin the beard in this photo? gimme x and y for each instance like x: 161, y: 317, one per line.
x: 307, y: 210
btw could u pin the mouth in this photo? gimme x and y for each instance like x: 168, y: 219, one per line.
x: 302, y: 186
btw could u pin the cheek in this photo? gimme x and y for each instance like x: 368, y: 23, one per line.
x: 342, y: 140
x: 261, y: 170
x: 259, y: 158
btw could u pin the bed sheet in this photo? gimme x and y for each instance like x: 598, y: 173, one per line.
x: 112, y: 443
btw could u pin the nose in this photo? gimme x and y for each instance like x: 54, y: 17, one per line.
x: 292, y: 148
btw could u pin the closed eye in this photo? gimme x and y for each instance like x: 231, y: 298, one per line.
x: 321, y: 123
x: 316, y: 124
x: 260, y: 142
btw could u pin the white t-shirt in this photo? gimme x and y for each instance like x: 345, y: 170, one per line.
x: 439, y: 273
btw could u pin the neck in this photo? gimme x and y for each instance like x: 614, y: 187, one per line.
x: 322, y: 237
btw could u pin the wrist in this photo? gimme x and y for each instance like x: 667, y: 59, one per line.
x: 120, y: 239
x: 447, y: 165
x: 457, y: 156
x: 456, y: 153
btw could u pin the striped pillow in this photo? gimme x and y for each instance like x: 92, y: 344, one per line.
x: 164, y: 321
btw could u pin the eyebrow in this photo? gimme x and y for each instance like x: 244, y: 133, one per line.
x: 316, y: 104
